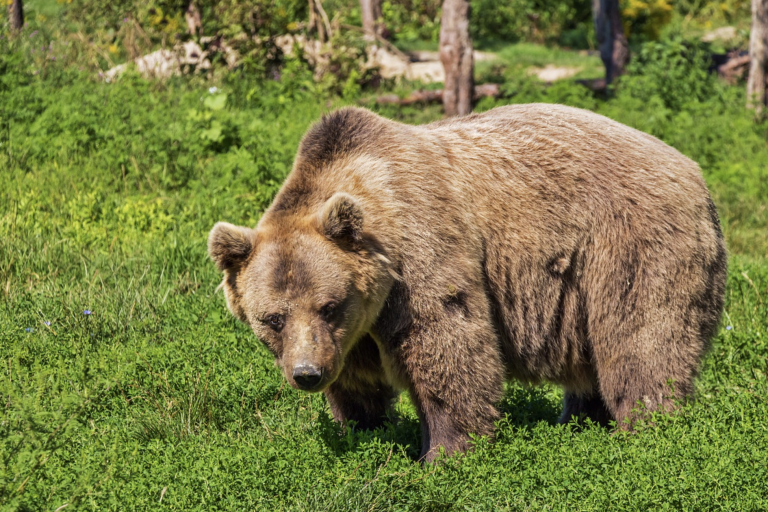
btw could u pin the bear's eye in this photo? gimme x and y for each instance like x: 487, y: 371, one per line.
x: 276, y: 322
x: 328, y: 311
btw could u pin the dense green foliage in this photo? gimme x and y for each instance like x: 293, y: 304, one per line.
x: 102, y: 33
x: 125, y: 383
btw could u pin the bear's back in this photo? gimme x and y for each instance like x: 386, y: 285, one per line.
x: 545, y: 137
x: 552, y: 164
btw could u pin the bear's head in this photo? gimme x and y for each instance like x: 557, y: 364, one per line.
x: 309, y: 285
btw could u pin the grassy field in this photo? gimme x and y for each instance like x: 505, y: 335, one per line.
x: 125, y: 383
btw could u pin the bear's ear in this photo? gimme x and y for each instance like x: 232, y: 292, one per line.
x: 229, y: 245
x: 341, y: 218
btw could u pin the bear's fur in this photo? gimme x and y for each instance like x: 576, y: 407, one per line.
x: 531, y: 242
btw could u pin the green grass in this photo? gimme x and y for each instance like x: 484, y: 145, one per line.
x: 527, y: 55
x: 159, y: 399
x: 521, y: 57
x: 47, y: 8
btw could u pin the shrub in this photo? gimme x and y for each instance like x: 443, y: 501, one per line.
x: 645, y: 19
x: 539, y: 21
x: 673, y: 72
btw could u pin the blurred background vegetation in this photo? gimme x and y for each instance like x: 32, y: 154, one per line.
x: 101, y: 33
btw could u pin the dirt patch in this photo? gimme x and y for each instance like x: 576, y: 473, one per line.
x: 551, y: 73
x: 421, y: 65
x: 720, y: 34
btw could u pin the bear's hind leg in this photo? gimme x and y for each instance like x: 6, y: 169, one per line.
x: 581, y: 406
x: 652, y: 306
x: 647, y: 356
x: 632, y: 390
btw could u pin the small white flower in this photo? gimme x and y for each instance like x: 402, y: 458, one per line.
x: 213, y: 90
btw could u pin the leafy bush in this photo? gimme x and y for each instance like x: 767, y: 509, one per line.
x: 645, y: 18
x: 130, y: 28
x: 673, y: 72
x: 249, y: 18
x: 530, y: 20
x: 713, y: 11
x: 413, y: 20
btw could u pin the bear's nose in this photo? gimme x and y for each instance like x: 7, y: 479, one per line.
x: 306, y: 376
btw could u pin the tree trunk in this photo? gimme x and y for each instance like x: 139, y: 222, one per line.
x: 372, y: 14
x: 194, y: 20
x: 16, y: 14
x: 758, y: 56
x: 318, y: 21
x: 614, y: 49
x: 456, y: 56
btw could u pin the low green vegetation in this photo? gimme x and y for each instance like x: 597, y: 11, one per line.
x: 126, y: 384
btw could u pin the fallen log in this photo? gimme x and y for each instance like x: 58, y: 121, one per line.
x: 594, y: 84
x: 436, y: 96
x: 732, y: 66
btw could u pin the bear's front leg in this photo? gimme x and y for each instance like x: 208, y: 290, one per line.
x: 454, y: 371
x: 361, y: 393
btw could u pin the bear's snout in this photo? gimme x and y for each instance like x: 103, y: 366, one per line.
x: 307, y: 377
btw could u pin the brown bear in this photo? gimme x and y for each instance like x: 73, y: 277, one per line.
x: 531, y: 242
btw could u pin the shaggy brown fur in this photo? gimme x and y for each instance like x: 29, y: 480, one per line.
x: 534, y: 242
